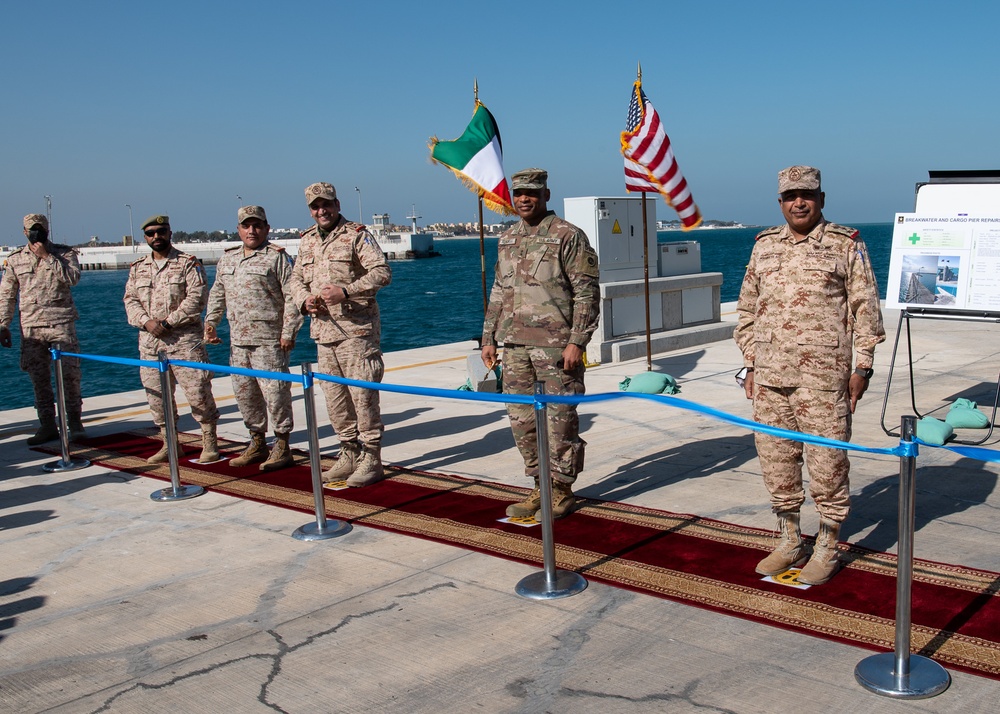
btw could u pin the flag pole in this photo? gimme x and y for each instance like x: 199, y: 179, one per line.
x: 482, y: 255
x: 645, y: 281
x: 645, y: 257
x: 482, y: 236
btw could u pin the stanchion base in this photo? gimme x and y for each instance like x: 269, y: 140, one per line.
x: 333, y: 529
x: 926, y: 679
x: 60, y: 465
x: 536, y: 587
x: 181, y: 494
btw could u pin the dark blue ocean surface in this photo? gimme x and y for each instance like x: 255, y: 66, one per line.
x: 431, y: 301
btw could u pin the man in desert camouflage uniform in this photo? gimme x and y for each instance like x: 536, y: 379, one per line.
x: 253, y: 290
x: 543, y: 306
x: 339, y: 269
x: 41, y: 274
x: 164, y: 297
x: 808, y: 299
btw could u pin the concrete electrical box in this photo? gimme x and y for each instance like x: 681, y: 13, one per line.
x: 679, y: 258
x: 614, y: 227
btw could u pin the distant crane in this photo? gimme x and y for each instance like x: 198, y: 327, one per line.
x: 413, y: 218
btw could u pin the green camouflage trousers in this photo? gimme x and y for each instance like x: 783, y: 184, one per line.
x: 522, y: 367
x: 810, y: 411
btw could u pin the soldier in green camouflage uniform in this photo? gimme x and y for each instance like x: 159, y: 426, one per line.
x: 40, y: 275
x: 543, y: 307
x: 339, y: 269
x: 164, y: 296
x: 809, y: 298
x: 253, y: 290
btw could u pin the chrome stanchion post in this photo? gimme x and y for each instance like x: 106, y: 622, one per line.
x: 900, y: 674
x: 549, y: 584
x: 176, y: 492
x: 322, y: 529
x: 66, y: 463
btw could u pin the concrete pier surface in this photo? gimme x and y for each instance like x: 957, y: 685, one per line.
x: 111, y: 602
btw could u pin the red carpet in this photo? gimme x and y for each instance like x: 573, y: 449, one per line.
x: 710, y: 564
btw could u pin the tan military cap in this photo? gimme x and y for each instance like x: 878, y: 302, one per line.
x: 156, y: 221
x: 530, y: 178
x: 246, y: 212
x: 798, y: 177
x: 320, y: 190
x: 34, y: 219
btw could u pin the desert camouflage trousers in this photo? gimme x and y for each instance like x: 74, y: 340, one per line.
x: 354, y: 412
x: 36, y: 360
x: 810, y: 411
x: 522, y: 367
x: 196, y: 383
x: 257, y: 396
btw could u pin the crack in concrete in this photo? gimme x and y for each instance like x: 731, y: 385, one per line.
x: 276, y: 662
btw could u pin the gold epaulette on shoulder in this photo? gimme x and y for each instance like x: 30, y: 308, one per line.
x: 772, y: 231
x: 845, y: 231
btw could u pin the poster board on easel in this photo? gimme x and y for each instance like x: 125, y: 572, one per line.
x: 945, y: 262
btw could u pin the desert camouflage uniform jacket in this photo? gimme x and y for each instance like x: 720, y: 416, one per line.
x: 176, y: 293
x: 545, y: 289
x: 804, y: 303
x: 255, y: 294
x: 42, y: 284
x: 350, y: 257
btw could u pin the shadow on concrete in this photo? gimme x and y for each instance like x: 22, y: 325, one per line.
x: 15, y: 497
x: 941, y: 491
x: 679, y: 463
x: 24, y: 518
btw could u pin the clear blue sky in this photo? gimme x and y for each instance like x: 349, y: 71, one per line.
x: 180, y: 107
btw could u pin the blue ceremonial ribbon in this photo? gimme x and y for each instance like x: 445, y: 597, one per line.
x: 903, y: 449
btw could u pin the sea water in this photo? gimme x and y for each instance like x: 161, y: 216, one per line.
x: 430, y: 301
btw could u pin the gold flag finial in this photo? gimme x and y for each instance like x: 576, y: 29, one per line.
x: 638, y: 72
x: 475, y: 89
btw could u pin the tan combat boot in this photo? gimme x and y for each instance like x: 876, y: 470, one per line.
x: 47, y: 431
x: 76, y: 430
x: 369, y: 469
x: 563, y: 501
x: 256, y: 451
x: 209, y: 445
x: 163, y: 454
x: 824, y: 562
x: 790, y: 552
x: 281, y: 455
x: 347, y: 462
x: 527, y: 507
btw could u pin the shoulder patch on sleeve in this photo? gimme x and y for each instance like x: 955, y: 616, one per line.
x: 773, y: 231
x: 836, y: 229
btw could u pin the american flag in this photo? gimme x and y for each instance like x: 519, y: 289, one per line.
x: 650, y: 166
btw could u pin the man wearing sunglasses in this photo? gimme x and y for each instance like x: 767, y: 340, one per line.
x: 164, y: 297
x: 40, y: 276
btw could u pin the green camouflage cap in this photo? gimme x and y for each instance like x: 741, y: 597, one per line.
x: 530, y: 178
x: 798, y: 177
x: 156, y: 221
x: 246, y: 212
x: 35, y: 219
x: 320, y: 190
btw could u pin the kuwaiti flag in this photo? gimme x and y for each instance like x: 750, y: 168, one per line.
x: 476, y: 157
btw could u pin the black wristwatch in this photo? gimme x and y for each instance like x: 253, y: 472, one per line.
x: 866, y: 373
